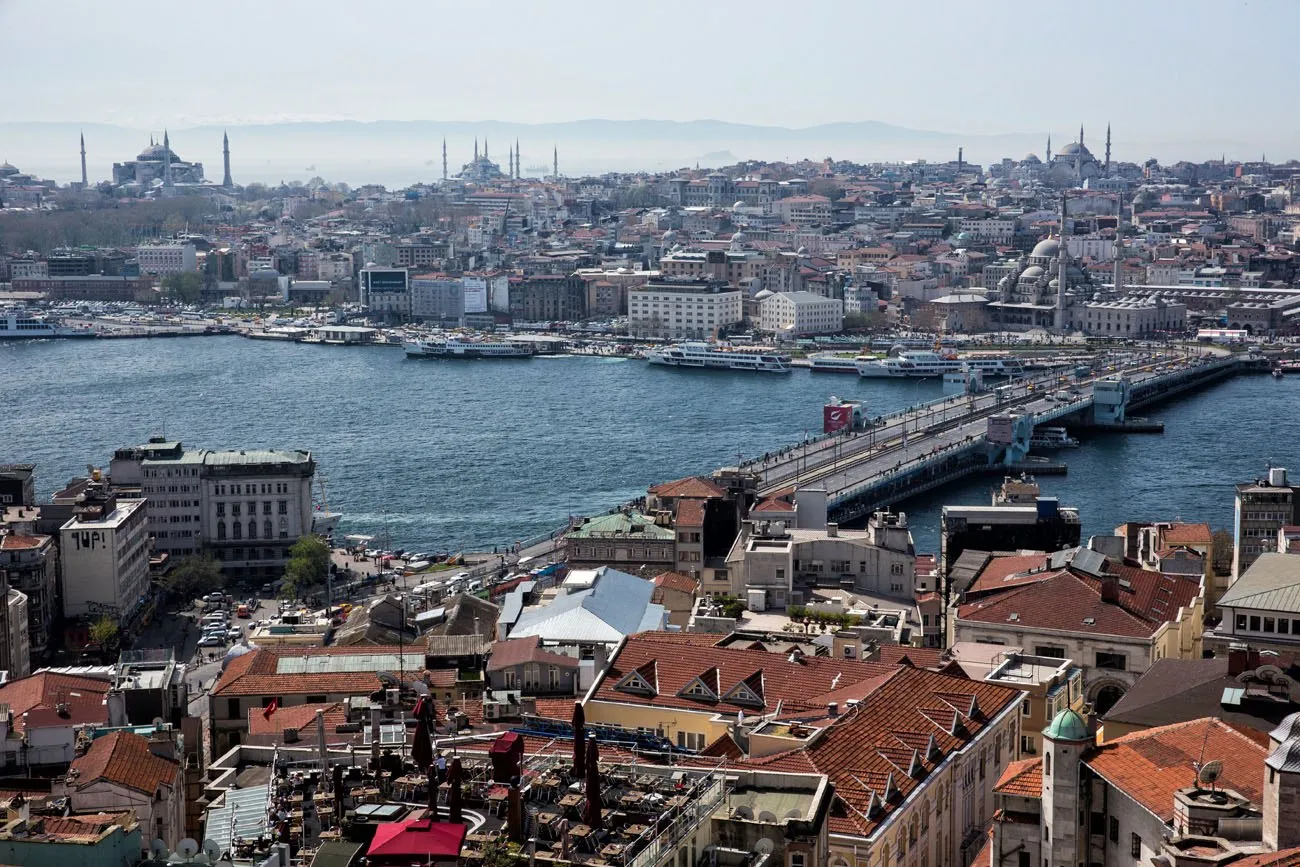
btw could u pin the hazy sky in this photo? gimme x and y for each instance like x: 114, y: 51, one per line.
x: 1159, y: 71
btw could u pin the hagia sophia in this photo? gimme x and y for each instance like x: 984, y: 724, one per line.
x: 157, y: 163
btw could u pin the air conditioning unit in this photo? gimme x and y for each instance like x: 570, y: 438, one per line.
x: 393, y: 697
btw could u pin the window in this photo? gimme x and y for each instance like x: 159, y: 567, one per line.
x: 1241, y: 621
x: 1113, y: 830
x: 1269, y: 625
x: 1024, y: 707
x: 1050, y: 652
x: 268, y: 531
x: 896, y: 569
x: 237, y: 530
x: 1026, y: 744
x: 1135, y: 846
x: 1283, y: 625
x: 1111, y: 661
x: 221, y: 510
x: 1047, y: 764
x: 1254, y: 623
x: 315, y: 699
x: 235, y: 510
x: 221, y: 529
x: 232, y: 708
x: 266, y: 507
x: 252, y: 529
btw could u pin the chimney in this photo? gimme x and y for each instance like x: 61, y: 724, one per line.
x: 833, y: 709
x: 832, y: 530
x: 1110, y: 589
x: 116, y: 701
x: 1241, y: 659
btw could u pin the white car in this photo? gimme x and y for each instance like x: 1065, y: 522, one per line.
x: 212, y: 641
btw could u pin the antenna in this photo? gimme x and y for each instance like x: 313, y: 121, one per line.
x: 212, y: 849
x: 187, y: 848
x: 1209, y: 773
x: 158, y: 849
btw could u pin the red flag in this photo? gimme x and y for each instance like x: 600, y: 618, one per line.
x: 418, y: 713
x: 271, y: 708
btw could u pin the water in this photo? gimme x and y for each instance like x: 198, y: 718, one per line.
x: 445, y: 455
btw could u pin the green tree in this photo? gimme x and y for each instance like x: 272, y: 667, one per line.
x: 104, y: 631
x: 309, y: 564
x: 185, y: 287
x: 194, y: 576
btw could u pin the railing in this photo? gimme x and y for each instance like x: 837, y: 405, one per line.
x: 663, y: 847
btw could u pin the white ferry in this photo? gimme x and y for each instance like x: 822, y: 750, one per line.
x: 19, y: 324
x: 924, y: 363
x: 714, y: 356
x: 835, y: 363
x: 1052, y: 438
x: 457, y: 348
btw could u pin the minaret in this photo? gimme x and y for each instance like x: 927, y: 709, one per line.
x: 167, y: 159
x: 1049, y: 147
x: 225, y: 159
x: 475, y: 148
x: 519, y: 170
x: 1107, y: 150
x: 1080, y: 136
x: 1062, y: 258
x: 510, y: 161
x: 959, y: 160
x: 485, y: 148
x: 444, y: 158
x: 83, y: 161
x: 555, y: 162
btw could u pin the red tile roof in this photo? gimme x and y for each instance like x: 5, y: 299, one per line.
x: 34, y: 700
x: 870, y: 750
x: 555, y: 708
x: 517, y: 651
x: 16, y: 542
x: 1009, y: 570
x: 1188, y: 534
x: 1023, y: 778
x: 921, y: 657
x: 298, y: 716
x: 665, y: 660
x: 773, y: 504
x: 690, y: 512
x: 254, y: 673
x: 1064, y: 600
x: 1150, y: 765
x: 692, y: 486
x: 676, y: 581
x: 123, y: 758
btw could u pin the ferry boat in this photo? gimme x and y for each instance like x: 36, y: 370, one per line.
x: 454, y: 347
x: 716, y: 356
x: 1052, y: 438
x: 19, y: 324
x: 912, y: 364
x: 835, y: 363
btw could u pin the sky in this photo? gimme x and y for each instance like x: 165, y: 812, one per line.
x: 1160, y: 72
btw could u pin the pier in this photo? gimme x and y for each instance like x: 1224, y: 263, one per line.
x: 923, y: 448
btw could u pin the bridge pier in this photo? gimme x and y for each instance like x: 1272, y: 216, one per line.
x: 1110, y: 397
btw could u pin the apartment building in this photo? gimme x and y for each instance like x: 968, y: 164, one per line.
x: 1263, y: 507
x: 104, y: 549
x: 164, y: 259
x: 681, y: 309
x: 30, y: 564
x: 386, y: 292
x: 799, y: 314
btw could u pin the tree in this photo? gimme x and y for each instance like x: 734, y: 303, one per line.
x: 104, y: 631
x: 1221, y: 552
x: 185, y: 287
x: 194, y: 576
x: 309, y: 564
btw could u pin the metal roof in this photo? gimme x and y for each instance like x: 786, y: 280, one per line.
x: 1272, y: 583
x: 348, y: 662
x: 242, y: 815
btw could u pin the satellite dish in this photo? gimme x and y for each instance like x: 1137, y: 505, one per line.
x: 387, y: 678
x: 158, y: 722
x: 419, y: 687
x: 1210, y: 772
x: 212, y: 849
x: 158, y: 849
x: 187, y: 848
x: 764, y: 846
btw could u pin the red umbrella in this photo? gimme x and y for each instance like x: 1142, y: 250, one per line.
x: 422, y: 746
x: 593, y: 784
x: 579, y: 739
x: 453, y: 792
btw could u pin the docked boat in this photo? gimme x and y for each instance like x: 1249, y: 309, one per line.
x: 1052, y: 438
x: 921, y: 363
x: 1278, y: 373
x: 835, y: 363
x: 19, y: 324
x: 717, y: 356
x: 454, y: 347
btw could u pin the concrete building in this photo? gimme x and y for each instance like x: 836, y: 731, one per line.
x: 682, y: 309
x: 96, y: 840
x: 1137, y: 317
x: 123, y: 771
x: 104, y: 550
x: 522, y: 665
x: 386, y: 292
x: 29, y: 564
x: 773, y: 566
x: 1263, y: 507
x: 1261, y: 608
x: 163, y: 259
x: 438, y: 299
x: 548, y: 298
x: 624, y: 540
x: 17, y: 485
x: 246, y: 507
x: 798, y: 314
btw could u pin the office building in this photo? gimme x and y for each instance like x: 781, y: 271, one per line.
x: 164, y: 259
x: 683, y: 308
x: 104, y: 549
x: 386, y: 292
x: 1263, y: 508
x: 799, y: 314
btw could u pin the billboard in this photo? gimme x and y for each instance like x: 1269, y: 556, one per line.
x: 836, y: 417
x: 1001, y: 429
x: 476, y: 294
x: 385, y: 279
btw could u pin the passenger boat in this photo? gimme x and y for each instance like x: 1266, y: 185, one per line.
x: 835, y: 363
x: 1052, y: 438
x: 913, y: 364
x: 459, y: 348
x: 19, y: 324
x: 717, y: 356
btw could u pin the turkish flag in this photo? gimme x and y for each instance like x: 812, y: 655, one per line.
x: 271, y: 709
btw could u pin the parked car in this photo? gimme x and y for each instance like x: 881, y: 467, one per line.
x: 235, y: 633
x: 212, y: 641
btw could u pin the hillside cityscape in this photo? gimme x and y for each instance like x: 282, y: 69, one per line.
x: 712, y: 514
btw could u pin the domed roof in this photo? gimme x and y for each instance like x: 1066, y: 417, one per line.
x: 8, y: 168
x: 739, y: 206
x: 1075, y: 148
x: 1033, y: 272
x: 1067, y: 726
x: 235, y: 651
x: 802, y: 251
x: 738, y: 238
x: 158, y: 152
x: 963, y: 238
x: 1048, y: 248
x: 670, y: 235
x: 1031, y: 158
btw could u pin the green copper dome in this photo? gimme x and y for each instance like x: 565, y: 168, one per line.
x: 1067, y: 726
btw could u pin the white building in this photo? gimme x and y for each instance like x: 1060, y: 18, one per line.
x: 795, y: 314
x: 1132, y: 317
x: 682, y: 308
x: 105, y: 553
x: 386, y: 292
x: 992, y: 230
x: 1095, y: 248
x: 162, y: 259
x: 335, y: 267
x: 245, y: 507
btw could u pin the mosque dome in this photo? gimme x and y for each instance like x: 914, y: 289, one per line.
x: 236, y: 651
x: 1075, y: 149
x: 7, y: 168
x: 669, y: 237
x: 1032, y: 159
x: 157, y: 153
x: 1048, y: 248
x: 738, y: 238
x: 802, y: 251
x: 1067, y: 726
x: 962, y: 238
x: 739, y: 206
x: 1030, y: 274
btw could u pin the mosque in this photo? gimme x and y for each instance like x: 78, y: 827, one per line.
x: 157, y: 163
x: 481, y: 169
x: 1072, y: 166
x: 1031, y: 297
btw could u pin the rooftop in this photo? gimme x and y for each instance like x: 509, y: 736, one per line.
x: 123, y: 759
x: 1272, y: 583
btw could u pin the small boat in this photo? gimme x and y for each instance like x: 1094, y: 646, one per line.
x: 1278, y: 373
x: 919, y: 364
x: 1052, y: 438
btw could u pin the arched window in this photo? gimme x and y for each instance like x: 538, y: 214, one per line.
x: 221, y: 529
x: 1047, y: 763
x: 268, y: 529
x: 252, y: 529
x: 237, y: 530
x: 884, y: 855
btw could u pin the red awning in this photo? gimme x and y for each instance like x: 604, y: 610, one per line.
x: 417, y: 837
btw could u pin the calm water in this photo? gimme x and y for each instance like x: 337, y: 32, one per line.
x: 475, y: 454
